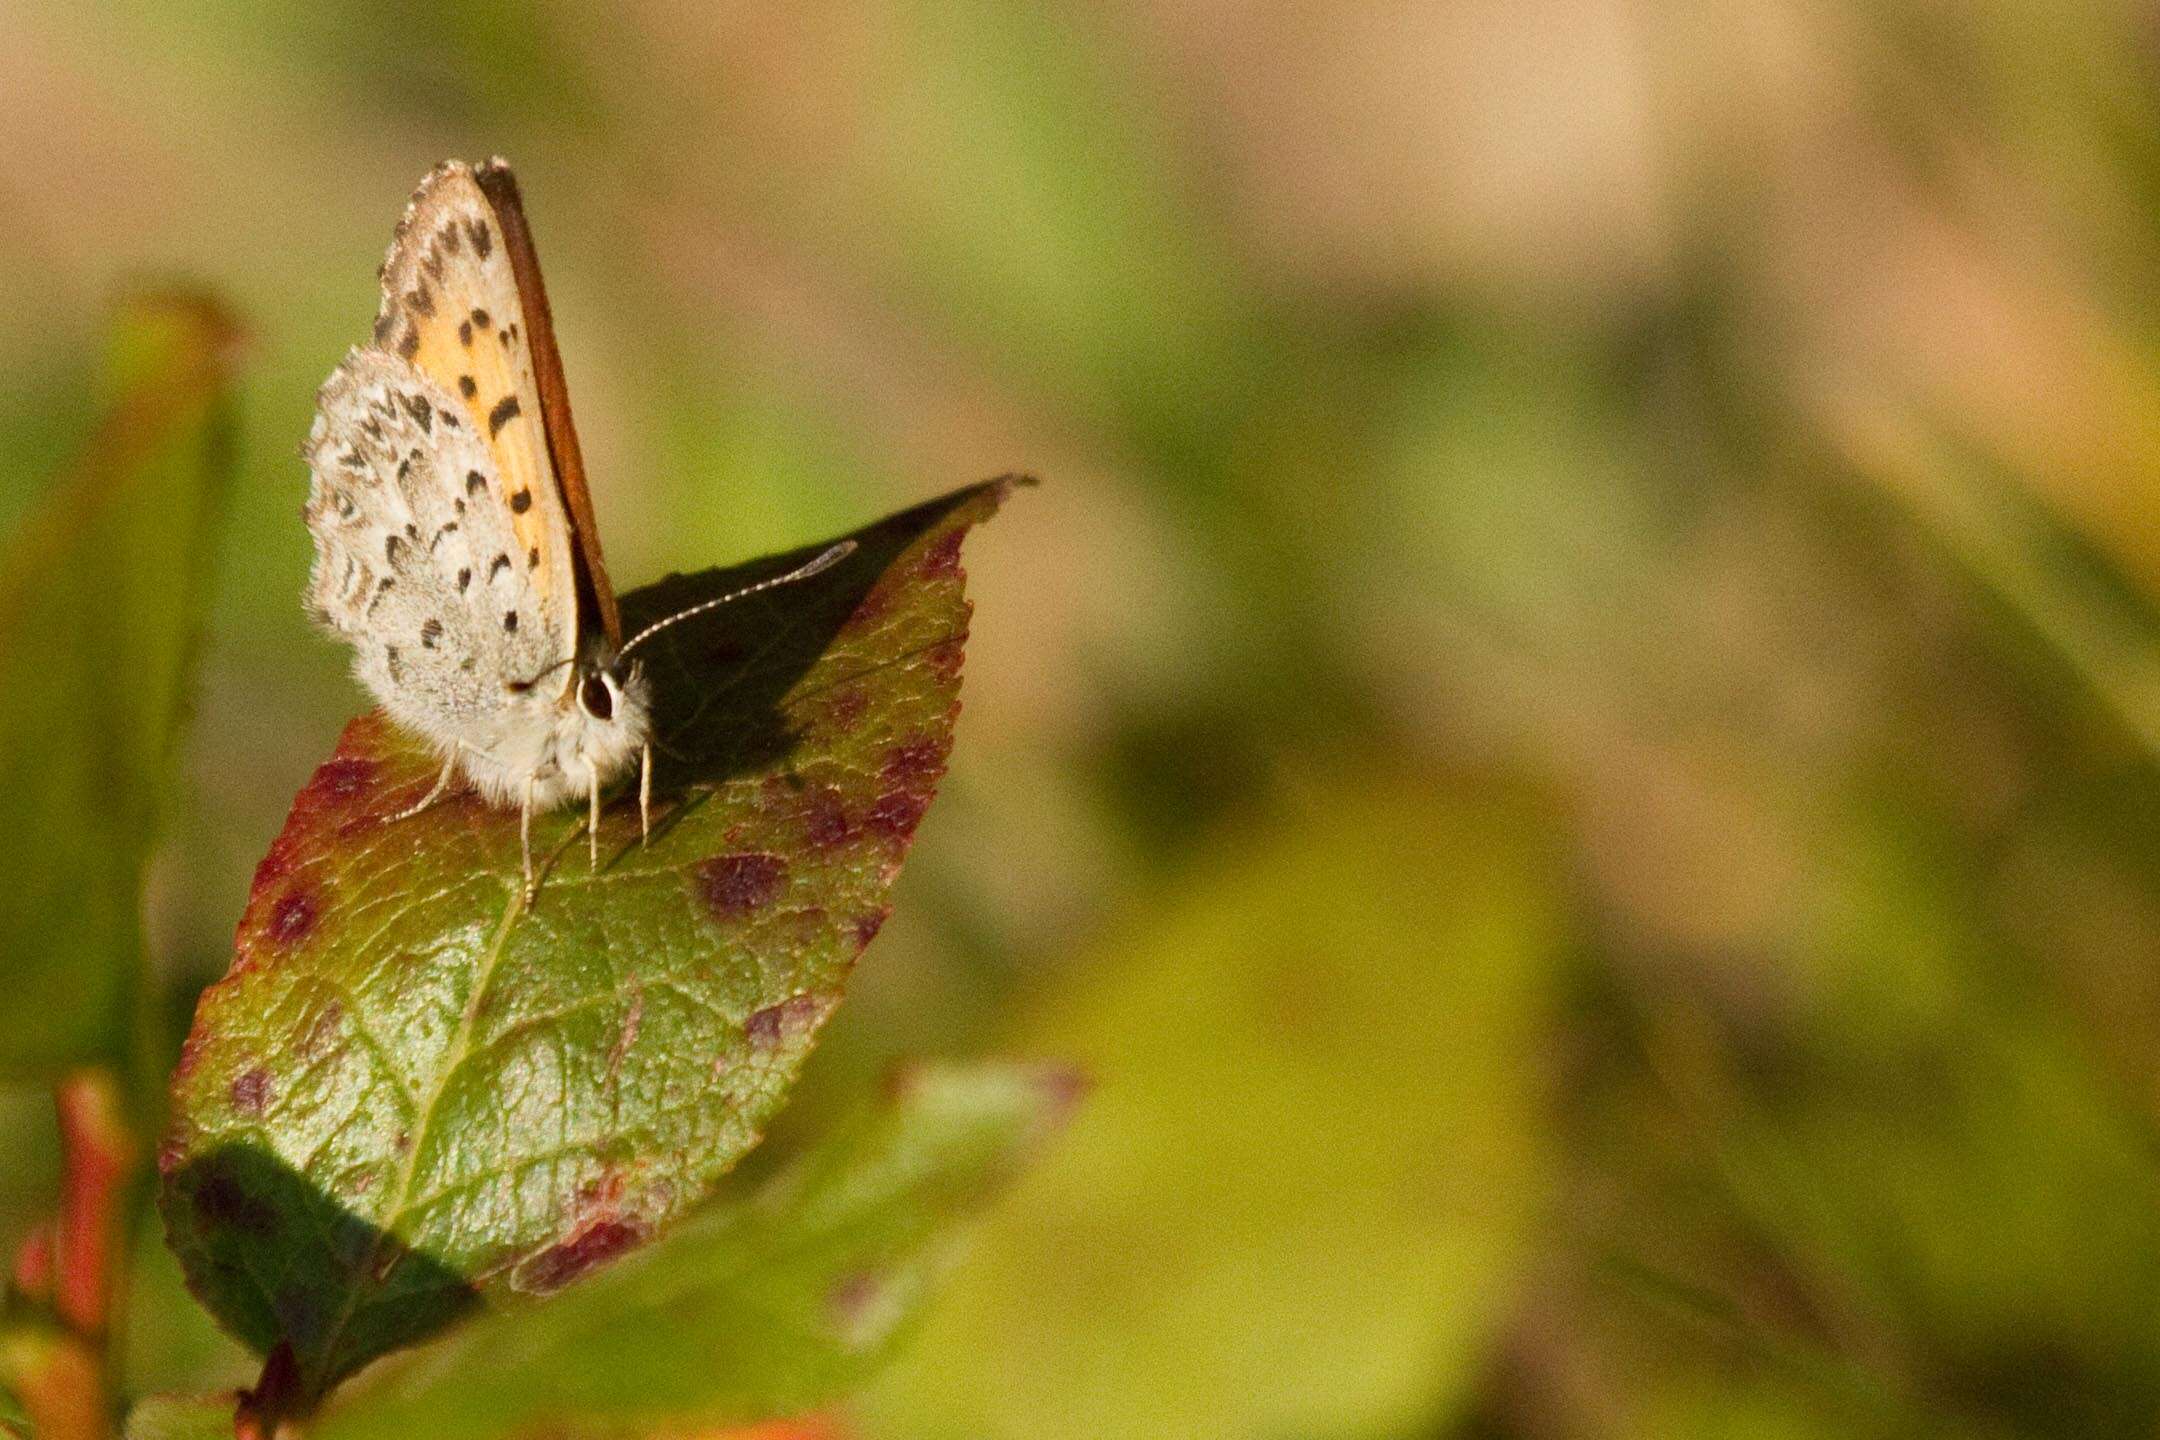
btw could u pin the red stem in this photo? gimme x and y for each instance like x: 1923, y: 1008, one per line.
x: 97, y: 1155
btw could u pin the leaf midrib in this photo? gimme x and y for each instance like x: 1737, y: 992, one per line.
x: 408, y: 1171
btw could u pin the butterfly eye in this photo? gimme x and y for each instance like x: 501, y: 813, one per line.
x: 598, y: 700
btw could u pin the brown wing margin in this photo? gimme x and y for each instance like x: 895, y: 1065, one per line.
x: 595, y: 596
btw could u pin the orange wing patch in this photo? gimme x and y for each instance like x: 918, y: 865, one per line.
x: 450, y: 306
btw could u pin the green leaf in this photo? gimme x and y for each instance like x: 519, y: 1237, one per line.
x: 101, y: 594
x: 415, y: 1088
x: 182, y: 1417
x: 1303, y: 1193
x: 766, y: 1308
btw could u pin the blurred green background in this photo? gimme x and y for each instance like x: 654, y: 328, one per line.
x: 1571, y: 736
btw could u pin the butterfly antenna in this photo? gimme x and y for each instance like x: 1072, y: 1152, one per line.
x: 829, y: 557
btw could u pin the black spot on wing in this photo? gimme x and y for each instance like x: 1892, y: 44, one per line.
x: 421, y: 300
x: 521, y: 502
x: 430, y: 632
x: 475, y: 482
x: 510, y: 620
x: 505, y: 411
x: 483, y: 240
x: 466, y: 387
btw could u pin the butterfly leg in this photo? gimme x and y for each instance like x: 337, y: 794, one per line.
x: 442, y: 783
x: 644, y: 796
x: 525, y: 836
x: 592, y: 817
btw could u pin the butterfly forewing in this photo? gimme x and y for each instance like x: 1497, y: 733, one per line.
x: 451, y: 310
x: 596, y: 595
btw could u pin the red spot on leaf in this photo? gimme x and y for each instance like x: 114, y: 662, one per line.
x: 791, y: 1019
x: 250, y: 1091
x: 283, y: 855
x: 943, y: 558
x: 292, y: 917
x: 915, y: 762
x: 323, y: 1030
x: 597, y: 1243
x: 944, y: 658
x: 190, y: 1053
x: 736, y: 885
x: 825, y: 820
x: 340, y: 779
x: 896, y: 815
x: 847, y: 707
x: 1064, y: 1087
x: 854, y: 1303
x: 868, y: 925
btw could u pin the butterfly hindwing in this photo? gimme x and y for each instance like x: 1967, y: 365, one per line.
x: 451, y: 310
x: 417, y: 562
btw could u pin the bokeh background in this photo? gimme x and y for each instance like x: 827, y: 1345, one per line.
x: 1570, y: 737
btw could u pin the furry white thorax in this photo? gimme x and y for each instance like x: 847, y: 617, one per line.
x: 546, y: 733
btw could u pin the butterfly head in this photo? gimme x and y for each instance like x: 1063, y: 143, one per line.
x: 605, y: 718
x: 566, y: 727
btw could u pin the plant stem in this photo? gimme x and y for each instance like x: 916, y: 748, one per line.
x: 98, y: 1155
x: 65, y: 1377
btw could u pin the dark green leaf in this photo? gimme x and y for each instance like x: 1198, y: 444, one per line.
x: 415, y: 1088
x: 101, y: 594
x: 762, y: 1309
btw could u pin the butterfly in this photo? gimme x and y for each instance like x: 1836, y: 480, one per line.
x: 455, y: 545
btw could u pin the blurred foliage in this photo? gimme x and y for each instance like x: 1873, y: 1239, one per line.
x: 101, y: 598
x: 1698, y: 460
x: 1280, y: 1136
